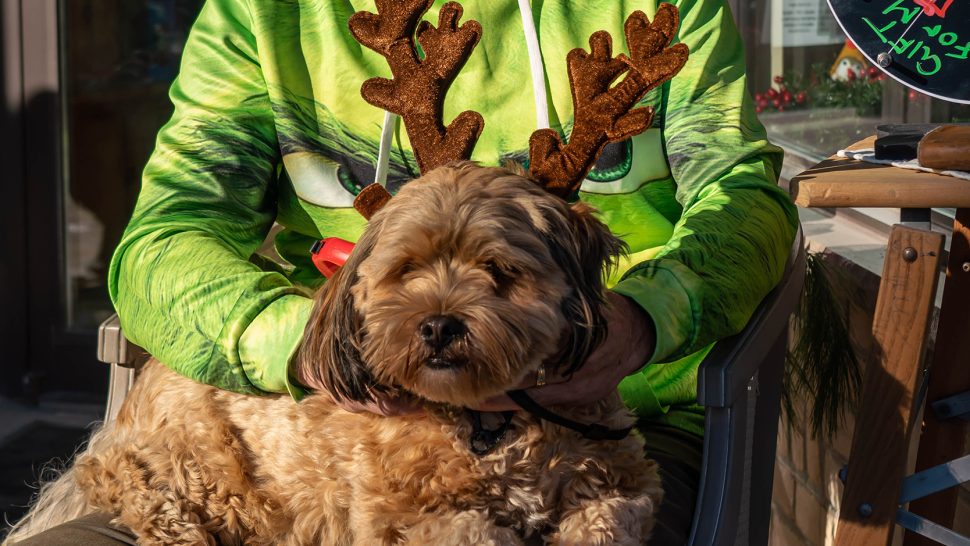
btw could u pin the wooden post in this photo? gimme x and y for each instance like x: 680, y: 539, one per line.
x: 942, y: 441
x: 879, y: 445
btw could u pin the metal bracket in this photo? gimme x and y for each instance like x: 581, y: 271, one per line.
x: 937, y: 478
x: 927, y: 482
x: 930, y: 530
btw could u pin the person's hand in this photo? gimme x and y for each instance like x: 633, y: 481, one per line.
x: 628, y: 345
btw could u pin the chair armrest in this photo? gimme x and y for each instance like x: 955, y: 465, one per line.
x: 725, y: 372
x: 124, y: 358
x: 113, y: 348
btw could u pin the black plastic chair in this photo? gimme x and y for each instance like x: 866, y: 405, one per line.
x: 739, y: 383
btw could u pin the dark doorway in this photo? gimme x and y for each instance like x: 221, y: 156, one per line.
x: 85, y: 86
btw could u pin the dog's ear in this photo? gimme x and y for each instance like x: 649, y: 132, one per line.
x: 586, y: 251
x: 330, y: 354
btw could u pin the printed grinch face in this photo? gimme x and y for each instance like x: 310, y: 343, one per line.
x: 329, y: 166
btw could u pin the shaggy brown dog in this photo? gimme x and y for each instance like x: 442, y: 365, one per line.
x: 463, y: 285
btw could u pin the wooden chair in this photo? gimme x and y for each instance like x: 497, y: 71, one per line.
x: 739, y: 384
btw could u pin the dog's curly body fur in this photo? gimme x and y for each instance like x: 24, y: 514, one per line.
x: 186, y: 463
x: 189, y: 463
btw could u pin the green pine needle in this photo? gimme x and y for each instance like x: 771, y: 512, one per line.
x: 821, y: 364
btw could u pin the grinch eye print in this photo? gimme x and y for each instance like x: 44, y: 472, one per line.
x: 355, y: 175
x: 315, y: 180
x: 324, y: 182
x: 622, y: 168
x: 625, y: 166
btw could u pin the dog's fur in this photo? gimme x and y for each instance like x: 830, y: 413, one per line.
x: 186, y: 463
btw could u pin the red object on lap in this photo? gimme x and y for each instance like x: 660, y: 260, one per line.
x: 330, y: 253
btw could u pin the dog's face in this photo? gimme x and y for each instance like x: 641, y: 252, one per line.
x: 469, y: 279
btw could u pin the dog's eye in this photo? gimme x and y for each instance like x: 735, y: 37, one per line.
x: 502, y: 276
x: 405, y: 268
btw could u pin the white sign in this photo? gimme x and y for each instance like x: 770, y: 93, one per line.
x: 800, y: 23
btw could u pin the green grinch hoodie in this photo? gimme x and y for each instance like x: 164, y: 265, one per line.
x: 269, y: 126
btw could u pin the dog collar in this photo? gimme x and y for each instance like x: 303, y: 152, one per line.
x: 484, y: 440
x: 591, y: 431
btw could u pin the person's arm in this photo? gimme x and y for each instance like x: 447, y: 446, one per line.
x: 180, y: 279
x: 729, y: 248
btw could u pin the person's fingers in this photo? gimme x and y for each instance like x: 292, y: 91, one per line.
x: 531, y: 379
x: 566, y: 392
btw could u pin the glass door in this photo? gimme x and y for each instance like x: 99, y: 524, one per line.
x: 118, y: 59
x: 94, y: 94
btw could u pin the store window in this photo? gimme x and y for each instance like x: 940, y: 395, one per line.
x: 816, y: 93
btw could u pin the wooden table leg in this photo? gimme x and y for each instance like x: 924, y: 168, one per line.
x: 942, y: 441
x: 879, y: 446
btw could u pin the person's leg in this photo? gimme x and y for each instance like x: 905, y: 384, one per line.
x: 679, y: 454
x: 91, y: 530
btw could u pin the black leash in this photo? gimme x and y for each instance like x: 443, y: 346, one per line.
x: 591, y: 431
x: 484, y: 440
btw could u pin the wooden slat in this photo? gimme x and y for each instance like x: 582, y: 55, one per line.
x: 879, y: 446
x: 942, y: 441
x: 840, y: 182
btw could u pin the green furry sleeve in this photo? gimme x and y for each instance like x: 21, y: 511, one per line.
x: 180, y: 279
x: 730, y: 245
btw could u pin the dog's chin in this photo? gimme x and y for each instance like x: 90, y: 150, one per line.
x: 455, y: 381
x: 436, y: 386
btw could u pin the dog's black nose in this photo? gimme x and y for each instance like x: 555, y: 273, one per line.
x: 440, y: 330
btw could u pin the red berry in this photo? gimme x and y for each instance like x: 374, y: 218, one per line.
x: 781, y: 108
x: 758, y: 109
x: 786, y: 96
x: 913, y: 95
x: 757, y: 97
x: 763, y: 103
x: 800, y: 97
x: 779, y: 80
x: 771, y: 93
x: 851, y: 74
x: 873, y: 72
x: 776, y: 103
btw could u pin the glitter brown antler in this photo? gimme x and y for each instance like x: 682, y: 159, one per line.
x: 417, y: 90
x: 604, y: 114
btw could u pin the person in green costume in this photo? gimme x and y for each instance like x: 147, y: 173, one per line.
x: 269, y: 126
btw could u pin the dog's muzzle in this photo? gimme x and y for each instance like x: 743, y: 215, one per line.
x: 438, y: 333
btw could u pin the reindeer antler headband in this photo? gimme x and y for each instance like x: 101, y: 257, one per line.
x: 602, y: 114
